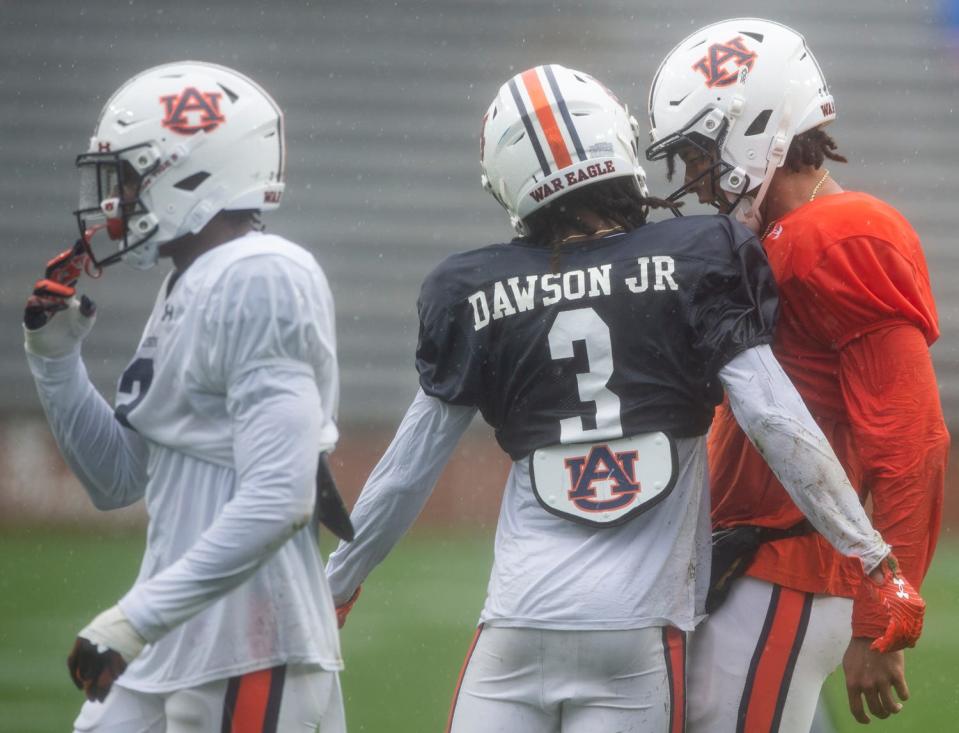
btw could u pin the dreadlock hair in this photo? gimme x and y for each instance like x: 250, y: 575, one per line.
x: 617, y: 200
x: 239, y: 217
x: 811, y: 148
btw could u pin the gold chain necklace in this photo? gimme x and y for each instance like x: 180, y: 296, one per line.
x: 815, y: 192
x: 816, y: 188
x: 597, y: 233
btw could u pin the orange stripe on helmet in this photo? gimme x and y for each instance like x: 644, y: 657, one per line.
x: 544, y: 113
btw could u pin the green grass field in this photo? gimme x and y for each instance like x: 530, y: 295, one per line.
x: 404, y: 642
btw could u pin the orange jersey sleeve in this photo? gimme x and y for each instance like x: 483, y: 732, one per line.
x: 856, y: 316
x: 897, y: 426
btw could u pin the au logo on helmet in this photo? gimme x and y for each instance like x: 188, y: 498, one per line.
x: 713, y: 64
x: 192, y: 110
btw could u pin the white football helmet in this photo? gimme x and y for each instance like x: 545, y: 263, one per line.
x: 174, y: 146
x: 740, y: 89
x: 549, y: 131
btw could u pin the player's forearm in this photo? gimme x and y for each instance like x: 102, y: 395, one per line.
x: 277, y: 430
x: 892, y: 399
x: 397, y: 489
x: 773, y: 416
x: 109, y: 460
x: 249, y: 530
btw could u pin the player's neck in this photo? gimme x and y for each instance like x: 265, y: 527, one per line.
x: 791, y: 189
x: 187, y: 249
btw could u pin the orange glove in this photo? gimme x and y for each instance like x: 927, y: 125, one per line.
x: 903, y: 605
x: 343, y: 611
x: 52, y: 292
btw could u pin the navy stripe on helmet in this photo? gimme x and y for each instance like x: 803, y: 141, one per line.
x: 564, y: 111
x: 530, y: 131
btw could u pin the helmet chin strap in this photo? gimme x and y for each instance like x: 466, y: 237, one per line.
x: 746, y: 211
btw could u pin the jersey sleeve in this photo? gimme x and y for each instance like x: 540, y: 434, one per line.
x: 397, y: 490
x: 109, y: 459
x: 266, y: 311
x: 735, y: 302
x: 892, y: 400
x: 863, y: 284
x: 449, y: 350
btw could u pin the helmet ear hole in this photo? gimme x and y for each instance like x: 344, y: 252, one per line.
x: 191, y: 183
x: 519, y: 138
x: 758, y: 125
x: 233, y: 96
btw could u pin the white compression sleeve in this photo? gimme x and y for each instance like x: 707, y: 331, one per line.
x: 109, y: 459
x: 777, y: 421
x: 397, y: 489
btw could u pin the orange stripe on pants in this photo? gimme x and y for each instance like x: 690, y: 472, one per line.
x: 773, y: 667
x: 459, y: 682
x: 675, y: 641
x: 544, y: 113
x: 250, y: 709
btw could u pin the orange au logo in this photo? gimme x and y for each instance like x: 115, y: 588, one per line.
x: 713, y: 64
x: 192, y: 110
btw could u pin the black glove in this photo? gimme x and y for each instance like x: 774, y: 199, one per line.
x: 94, y: 668
x: 330, y: 509
x: 733, y: 551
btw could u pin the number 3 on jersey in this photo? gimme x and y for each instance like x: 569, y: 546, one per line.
x: 133, y: 388
x: 584, y: 324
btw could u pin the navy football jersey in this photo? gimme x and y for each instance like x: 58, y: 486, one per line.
x: 626, y: 336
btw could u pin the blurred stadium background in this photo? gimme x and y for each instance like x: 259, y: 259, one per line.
x: 383, y: 104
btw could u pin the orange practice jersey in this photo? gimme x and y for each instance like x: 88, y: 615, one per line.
x: 857, y: 316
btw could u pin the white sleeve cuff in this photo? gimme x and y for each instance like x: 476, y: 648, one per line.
x: 111, y: 629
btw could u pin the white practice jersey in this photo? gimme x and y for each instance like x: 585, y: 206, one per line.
x: 553, y: 573
x: 548, y: 572
x: 220, y: 420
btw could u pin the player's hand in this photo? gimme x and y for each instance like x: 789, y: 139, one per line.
x: 873, y: 676
x: 102, y: 651
x: 94, y: 668
x: 55, y: 292
x: 343, y: 610
x: 904, y: 607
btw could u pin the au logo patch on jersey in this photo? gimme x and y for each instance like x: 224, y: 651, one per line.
x: 602, y: 466
x: 192, y: 110
x: 604, y: 484
x: 714, y: 64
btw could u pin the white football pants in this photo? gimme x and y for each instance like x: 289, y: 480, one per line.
x: 294, y: 699
x: 758, y: 663
x: 549, y: 681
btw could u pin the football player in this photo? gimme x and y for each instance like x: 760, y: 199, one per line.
x: 597, y: 346
x: 219, y: 419
x: 742, y: 104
